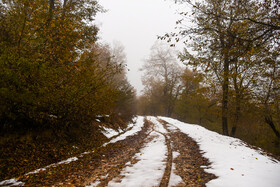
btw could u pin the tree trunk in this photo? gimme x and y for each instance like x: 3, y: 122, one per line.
x: 236, y: 115
x: 268, y: 117
x: 269, y: 121
x: 225, y: 98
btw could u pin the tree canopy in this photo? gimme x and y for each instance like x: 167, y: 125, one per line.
x: 53, y: 71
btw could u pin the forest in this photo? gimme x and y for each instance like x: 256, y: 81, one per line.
x: 230, y: 82
x: 57, y: 79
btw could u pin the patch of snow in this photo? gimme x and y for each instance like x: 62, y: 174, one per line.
x: 18, y: 183
x: 38, y: 170
x: 97, y: 181
x: 136, y: 128
x: 109, y: 133
x: 97, y: 120
x: 85, y: 153
x: 157, y: 125
x: 105, y: 176
x: 102, y: 116
x: 204, y: 167
x: 150, y: 169
x: 232, y: 162
x: 174, y: 179
x: 52, y: 116
x: 67, y: 161
x: 94, y: 184
x: 175, y: 154
x: 130, y: 125
x: 11, y: 182
x: 171, y: 127
x: 53, y: 165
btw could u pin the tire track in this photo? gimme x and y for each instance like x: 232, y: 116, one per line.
x: 167, y: 172
x: 190, y: 163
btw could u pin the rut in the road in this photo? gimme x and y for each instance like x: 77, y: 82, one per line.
x: 187, y: 164
x: 111, y: 167
x: 190, y: 163
x: 166, y: 176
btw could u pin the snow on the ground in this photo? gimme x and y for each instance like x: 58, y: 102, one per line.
x: 135, y: 128
x: 15, y: 182
x: 54, y: 165
x: 174, y: 179
x: 232, y: 161
x: 150, y: 169
x: 170, y: 127
x: 157, y: 125
x: 11, y: 182
x: 109, y: 133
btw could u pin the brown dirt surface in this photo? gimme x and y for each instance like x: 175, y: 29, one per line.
x: 104, y: 164
x: 188, y: 163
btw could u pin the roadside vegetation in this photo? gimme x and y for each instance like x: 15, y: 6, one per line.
x: 230, y: 81
x: 56, y: 80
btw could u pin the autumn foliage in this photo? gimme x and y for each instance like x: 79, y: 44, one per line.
x: 56, y: 79
x: 53, y: 72
x: 231, y: 78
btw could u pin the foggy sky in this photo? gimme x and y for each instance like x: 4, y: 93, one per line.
x: 136, y: 24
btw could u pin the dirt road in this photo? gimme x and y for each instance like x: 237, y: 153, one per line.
x: 157, y: 155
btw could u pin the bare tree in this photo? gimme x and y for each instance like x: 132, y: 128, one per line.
x: 162, y: 67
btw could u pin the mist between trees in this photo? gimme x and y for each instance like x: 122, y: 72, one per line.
x: 231, y: 81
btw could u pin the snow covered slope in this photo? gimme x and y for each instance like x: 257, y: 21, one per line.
x: 233, y: 162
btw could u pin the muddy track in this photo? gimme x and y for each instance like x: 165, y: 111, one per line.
x: 103, y: 165
x: 190, y: 163
x: 187, y: 164
x: 112, y: 167
x: 166, y: 176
